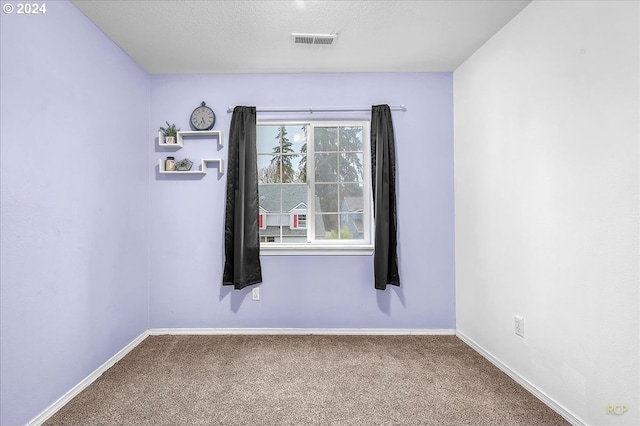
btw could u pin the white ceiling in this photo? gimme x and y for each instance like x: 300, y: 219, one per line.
x: 207, y: 36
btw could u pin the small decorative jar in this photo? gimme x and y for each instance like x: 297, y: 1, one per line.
x: 170, y: 164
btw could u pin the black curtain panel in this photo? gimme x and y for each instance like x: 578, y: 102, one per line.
x: 241, y: 238
x: 383, y: 173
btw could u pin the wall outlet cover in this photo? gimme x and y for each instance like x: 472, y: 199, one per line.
x: 519, y: 326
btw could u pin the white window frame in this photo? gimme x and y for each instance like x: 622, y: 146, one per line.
x: 328, y: 247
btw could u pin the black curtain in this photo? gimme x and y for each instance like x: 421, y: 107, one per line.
x: 383, y: 173
x: 241, y: 238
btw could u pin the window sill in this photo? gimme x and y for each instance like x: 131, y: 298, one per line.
x: 315, y: 250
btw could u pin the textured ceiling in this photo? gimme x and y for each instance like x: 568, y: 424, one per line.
x: 184, y: 37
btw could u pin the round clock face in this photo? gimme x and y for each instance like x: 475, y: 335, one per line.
x: 203, y: 118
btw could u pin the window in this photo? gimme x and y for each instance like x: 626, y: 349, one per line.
x: 314, y: 187
x: 299, y: 221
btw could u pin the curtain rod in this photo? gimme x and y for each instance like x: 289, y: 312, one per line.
x: 311, y: 110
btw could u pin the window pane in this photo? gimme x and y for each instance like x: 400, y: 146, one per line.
x: 272, y: 232
x: 298, y: 137
x: 352, y: 204
x: 340, y: 227
x: 321, y: 233
x: 326, y: 167
x: 270, y: 198
x: 290, y: 235
x: 292, y: 169
x: 351, y: 139
x: 330, y: 224
x: 294, y: 197
x: 327, y: 195
x: 351, y: 190
x: 278, y: 203
x: 351, y: 226
x: 352, y: 201
x: 267, y: 169
x: 351, y: 167
x: 266, y: 139
x: 270, y: 201
x: 326, y: 139
x: 285, y: 149
x: 294, y: 202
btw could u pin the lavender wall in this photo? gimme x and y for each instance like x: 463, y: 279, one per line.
x: 74, y: 160
x: 186, y: 223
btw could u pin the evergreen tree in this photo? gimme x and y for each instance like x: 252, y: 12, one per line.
x: 282, y: 163
x: 303, y: 161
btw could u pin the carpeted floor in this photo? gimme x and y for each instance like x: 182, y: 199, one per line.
x: 304, y: 380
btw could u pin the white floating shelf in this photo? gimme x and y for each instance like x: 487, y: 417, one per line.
x: 193, y: 134
x: 187, y: 133
x: 220, y: 162
x: 202, y: 171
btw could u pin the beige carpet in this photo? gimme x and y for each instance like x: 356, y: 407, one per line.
x: 304, y: 380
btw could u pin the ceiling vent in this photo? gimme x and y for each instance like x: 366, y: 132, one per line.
x: 318, y: 39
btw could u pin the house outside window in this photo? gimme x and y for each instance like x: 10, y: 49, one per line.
x: 314, y: 187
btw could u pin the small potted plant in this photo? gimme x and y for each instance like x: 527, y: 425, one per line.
x: 184, y: 165
x: 170, y: 133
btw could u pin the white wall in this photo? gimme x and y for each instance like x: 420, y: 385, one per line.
x: 547, y: 212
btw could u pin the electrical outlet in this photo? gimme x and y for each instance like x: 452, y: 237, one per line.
x: 519, y: 326
x: 255, y: 293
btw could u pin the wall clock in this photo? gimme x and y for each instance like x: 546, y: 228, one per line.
x: 203, y: 117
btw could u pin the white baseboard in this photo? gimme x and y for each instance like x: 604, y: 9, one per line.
x: 53, y: 408
x: 304, y: 331
x: 550, y: 402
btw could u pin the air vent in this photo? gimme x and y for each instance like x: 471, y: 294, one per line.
x: 321, y: 39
